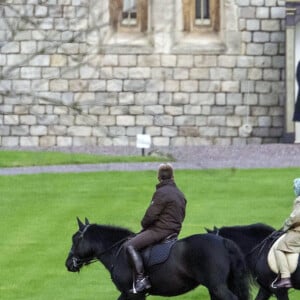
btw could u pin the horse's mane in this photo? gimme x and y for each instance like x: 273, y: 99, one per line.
x: 257, y: 231
x: 259, y: 228
x: 109, y: 233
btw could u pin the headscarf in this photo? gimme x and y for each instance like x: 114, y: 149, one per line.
x: 297, y: 186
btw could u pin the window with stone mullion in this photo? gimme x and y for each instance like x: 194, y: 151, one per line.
x: 129, y: 13
x: 202, y: 12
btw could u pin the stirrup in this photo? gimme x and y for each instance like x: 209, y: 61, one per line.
x: 145, y: 285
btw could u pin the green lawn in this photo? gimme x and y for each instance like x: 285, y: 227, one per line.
x: 32, y: 158
x: 38, y: 217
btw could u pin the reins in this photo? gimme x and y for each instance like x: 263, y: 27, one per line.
x: 92, y: 259
x: 263, y: 243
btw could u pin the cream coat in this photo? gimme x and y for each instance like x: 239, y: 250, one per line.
x: 291, y: 242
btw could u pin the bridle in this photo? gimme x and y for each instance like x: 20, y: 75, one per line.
x: 79, y: 262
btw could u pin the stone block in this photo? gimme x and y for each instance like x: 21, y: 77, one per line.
x: 170, y: 131
x: 146, y: 99
x: 30, y: 73
x: 57, y: 130
x: 47, y: 141
x: 216, y: 121
x: 125, y: 120
x: 144, y: 120
x: 230, y: 86
x: 100, y: 131
x: 126, y: 98
x: 38, y: 130
x: 29, y: 141
x: 11, y: 47
x: 50, y: 73
x: 199, y: 73
x: 278, y: 13
x: 28, y: 47
x: 205, y: 61
x: 233, y: 121
x: 181, y: 73
x: 168, y: 60
x: 21, y: 86
x: 160, y: 141
x: 184, y: 120
x: 114, y: 85
x: 270, y: 25
x: 116, y: 131
x: 10, y: 141
x: 134, y: 85
x: 189, y: 86
x: 87, y: 72
x: 86, y: 120
x: 209, y: 131
x: 192, y: 110
x: 172, y: 86
x: 255, y: 49
x: 191, y: 131
x: 138, y: 73
x: 28, y: 120
x: 263, y: 12
x: 79, y: 141
x: 153, y: 109
x: 4, y: 130
x: 153, y: 85
x: 79, y: 131
x: 120, y: 73
x: 186, y: 61
x: 58, y: 60
x: 57, y: 85
x: 125, y: 61
x: 202, y: 99
x: 229, y: 132
x: 64, y: 141
x: 174, y: 110
x: 42, y: 60
x: 221, y: 73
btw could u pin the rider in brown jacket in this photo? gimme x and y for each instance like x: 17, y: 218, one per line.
x: 163, y: 217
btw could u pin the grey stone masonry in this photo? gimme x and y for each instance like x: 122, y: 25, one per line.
x: 69, y: 78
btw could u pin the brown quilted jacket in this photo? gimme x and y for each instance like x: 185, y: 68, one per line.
x: 167, y: 209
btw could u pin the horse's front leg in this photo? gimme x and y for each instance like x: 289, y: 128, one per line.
x: 263, y: 294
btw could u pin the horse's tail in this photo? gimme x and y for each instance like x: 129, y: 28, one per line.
x: 239, y: 280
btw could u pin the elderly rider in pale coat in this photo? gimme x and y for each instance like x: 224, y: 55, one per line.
x: 291, y: 242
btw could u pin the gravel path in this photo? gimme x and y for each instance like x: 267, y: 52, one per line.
x: 200, y: 157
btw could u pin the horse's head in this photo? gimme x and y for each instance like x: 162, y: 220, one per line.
x: 81, y: 252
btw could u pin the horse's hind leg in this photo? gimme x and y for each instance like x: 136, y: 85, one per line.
x: 263, y: 294
x: 282, y: 294
x: 132, y: 297
x: 221, y: 292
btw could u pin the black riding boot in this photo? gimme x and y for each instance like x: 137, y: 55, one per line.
x: 142, y: 282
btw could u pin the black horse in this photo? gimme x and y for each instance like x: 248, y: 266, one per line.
x: 255, y: 241
x: 202, y: 259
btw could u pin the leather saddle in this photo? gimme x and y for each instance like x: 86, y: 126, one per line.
x: 158, y: 253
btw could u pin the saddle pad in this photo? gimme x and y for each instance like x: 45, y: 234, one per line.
x: 292, y: 258
x: 158, y: 253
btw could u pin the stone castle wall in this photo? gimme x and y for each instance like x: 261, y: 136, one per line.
x: 67, y: 80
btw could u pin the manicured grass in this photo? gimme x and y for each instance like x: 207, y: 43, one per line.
x: 38, y: 217
x: 31, y: 158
